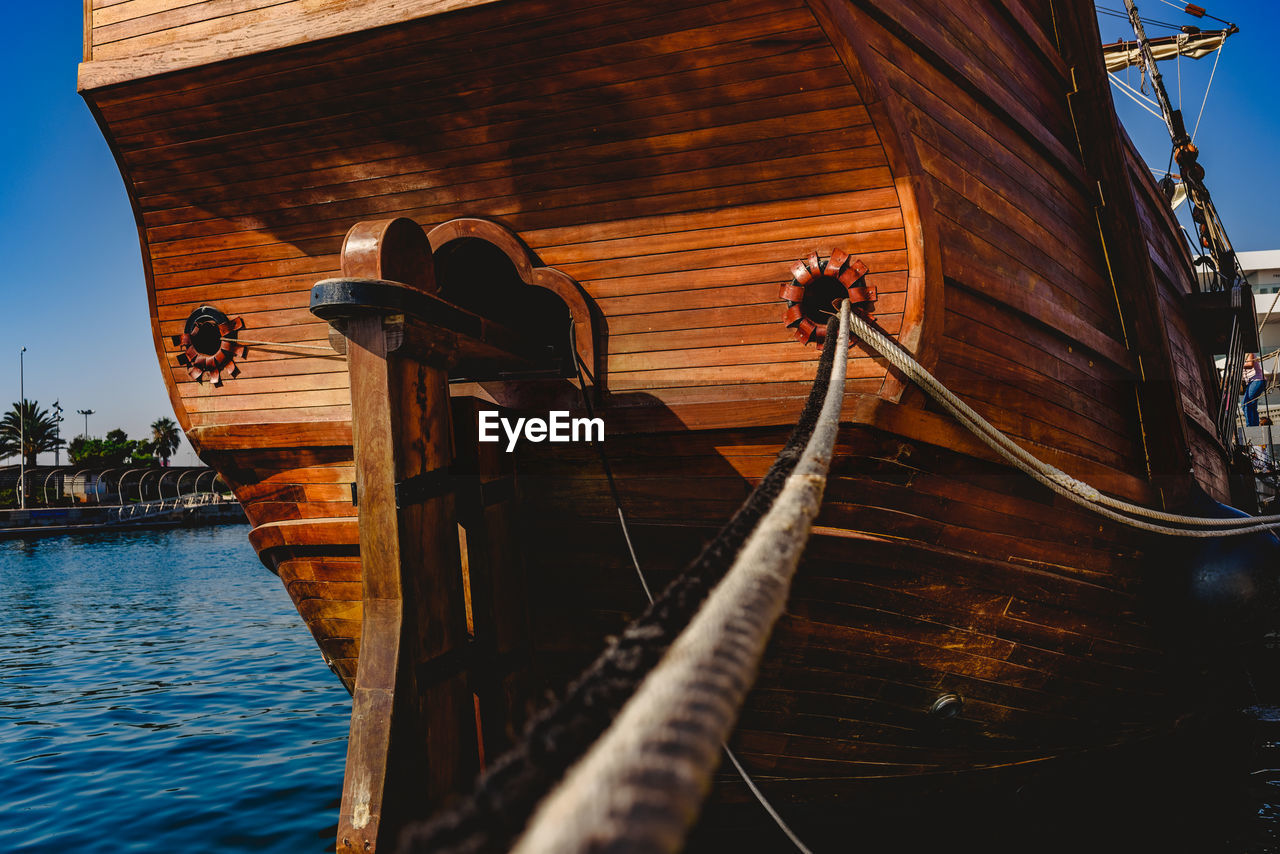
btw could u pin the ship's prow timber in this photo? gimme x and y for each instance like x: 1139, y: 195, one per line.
x: 636, y: 183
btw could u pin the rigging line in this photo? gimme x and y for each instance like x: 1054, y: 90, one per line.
x: 604, y: 458
x: 764, y: 802
x: 1182, y: 8
x: 1126, y: 90
x: 1267, y: 316
x: 1208, y: 86
x: 1049, y: 475
x: 285, y: 345
x: 1141, y: 96
x: 1115, y: 14
x: 644, y: 583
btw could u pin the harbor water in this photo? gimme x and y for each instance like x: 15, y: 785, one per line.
x: 158, y: 692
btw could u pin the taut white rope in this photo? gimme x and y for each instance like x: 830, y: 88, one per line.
x: 1049, y: 475
x: 639, y: 786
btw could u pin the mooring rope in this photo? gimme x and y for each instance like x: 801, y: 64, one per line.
x: 496, y: 812
x: 1059, y: 481
x: 750, y: 783
x: 641, y: 785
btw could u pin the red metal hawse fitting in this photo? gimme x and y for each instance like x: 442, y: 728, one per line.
x: 209, y: 346
x: 839, y: 271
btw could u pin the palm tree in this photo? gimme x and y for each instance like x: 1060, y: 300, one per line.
x: 35, y: 433
x: 165, y: 436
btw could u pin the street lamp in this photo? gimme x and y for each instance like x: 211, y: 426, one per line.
x: 57, y: 431
x: 86, y: 413
x: 22, y: 432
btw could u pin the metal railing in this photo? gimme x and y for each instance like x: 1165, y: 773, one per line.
x: 143, y: 510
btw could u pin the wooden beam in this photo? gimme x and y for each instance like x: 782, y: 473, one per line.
x: 412, y: 738
x: 496, y: 579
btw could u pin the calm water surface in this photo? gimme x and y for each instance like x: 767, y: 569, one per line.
x: 158, y: 692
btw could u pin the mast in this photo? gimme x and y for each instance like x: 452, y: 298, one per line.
x: 1230, y: 295
x: 1213, y: 236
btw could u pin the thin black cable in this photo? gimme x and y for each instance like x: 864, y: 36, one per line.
x: 769, y: 808
x: 494, y: 815
x: 1146, y: 21
x: 604, y: 458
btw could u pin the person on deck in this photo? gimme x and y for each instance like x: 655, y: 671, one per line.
x: 1255, y: 383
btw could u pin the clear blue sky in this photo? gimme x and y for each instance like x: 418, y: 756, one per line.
x: 73, y: 290
x: 1240, y: 129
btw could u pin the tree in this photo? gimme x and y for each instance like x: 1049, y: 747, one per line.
x: 115, y: 449
x: 165, y: 437
x: 29, y: 430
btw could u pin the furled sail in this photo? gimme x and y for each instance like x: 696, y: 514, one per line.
x: 1122, y: 54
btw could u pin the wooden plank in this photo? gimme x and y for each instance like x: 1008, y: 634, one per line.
x: 940, y: 101
x: 107, y: 12
x: 170, y: 16
x: 1018, y: 406
x: 634, y: 53
x: 1060, y: 253
x: 694, y: 309
x: 1082, y: 297
x: 641, y: 379
x: 751, y: 74
x: 86, y: 52
x: 299, y: 238
x: 1042, y: 47
x: 828, y: 130
x: 498, y: 587
x: 962, y: 70
x: 393, y: 46
x: 602, y: 48
x: 568, y: 185
x: 976, y: 29
x: 312, y: 254
x: 219, y: 40
x: 973, y: 262
x: 283, y: 414
x: 510, y: 210
x: 775, y: 270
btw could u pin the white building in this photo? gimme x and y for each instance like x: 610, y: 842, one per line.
x: 1263, y: 271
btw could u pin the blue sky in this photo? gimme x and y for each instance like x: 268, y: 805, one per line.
x: 1240, y: 127
x: 73, y: 291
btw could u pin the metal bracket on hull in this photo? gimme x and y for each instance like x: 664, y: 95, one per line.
x: 423, y: 487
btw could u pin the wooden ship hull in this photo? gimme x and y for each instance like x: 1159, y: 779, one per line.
x: 658, y: 169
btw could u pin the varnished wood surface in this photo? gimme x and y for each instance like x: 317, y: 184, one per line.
x: 131, y: 39
x: 674, y: 160
x: 675, y: 165
x: 1047, y: 655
